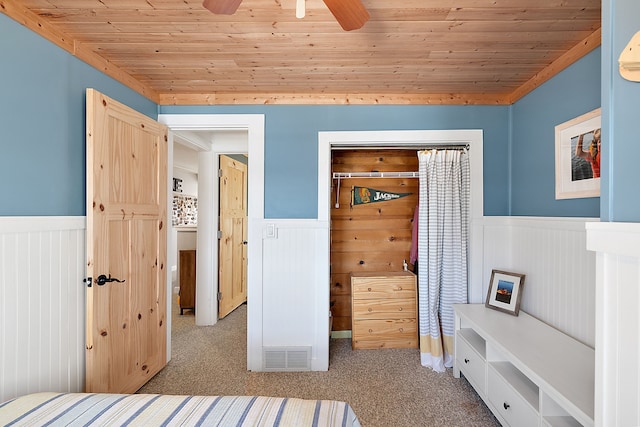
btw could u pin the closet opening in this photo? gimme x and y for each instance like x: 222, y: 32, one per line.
x: 374, y: 195
x: 386, y: 142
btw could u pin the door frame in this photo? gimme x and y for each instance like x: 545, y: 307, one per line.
x: 208, y: 203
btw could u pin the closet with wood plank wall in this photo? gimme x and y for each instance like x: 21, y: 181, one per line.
x: 374, y: 236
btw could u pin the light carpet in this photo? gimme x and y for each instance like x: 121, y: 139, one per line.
x: 386, y: 387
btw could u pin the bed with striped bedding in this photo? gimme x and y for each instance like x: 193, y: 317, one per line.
x: 101, y: 409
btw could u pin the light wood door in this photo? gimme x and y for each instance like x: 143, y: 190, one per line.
x: 126, y: 239
x: 232, y: 282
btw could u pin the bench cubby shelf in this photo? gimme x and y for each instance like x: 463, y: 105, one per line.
x: 527, y: 372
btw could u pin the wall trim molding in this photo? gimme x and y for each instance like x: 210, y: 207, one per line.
x: 614, y: 238
x: 563, y: 223
x: 23, y: 224
x: 589, y: 43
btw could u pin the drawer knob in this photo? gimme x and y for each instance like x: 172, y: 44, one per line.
x: 399, y: 288
x: 400, y: 309
x: 466, y: 360
x: 506, y: 405
x: 369, y: 289
x: 370, y: 309
x: 401, y: 329
x: 370, y: 330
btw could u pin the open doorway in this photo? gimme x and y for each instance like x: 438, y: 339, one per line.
x: 212, y: 136
x: 191, y: 186
x: 370, y: 237
x: 232, y: 232
x: 181, y: 251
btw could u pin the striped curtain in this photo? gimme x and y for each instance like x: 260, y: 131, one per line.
x: 443, y: 231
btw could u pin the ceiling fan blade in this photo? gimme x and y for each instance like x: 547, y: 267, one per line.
x: 222, y: 7
x: 350, y: 14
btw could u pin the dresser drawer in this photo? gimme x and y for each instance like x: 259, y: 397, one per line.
x: 384, y: 308
x: 390, y: 333
x: 383, y: 287
x: 373, y: 343
x: 386, y: 326
x: 471, y: 364
x: 508, y: 403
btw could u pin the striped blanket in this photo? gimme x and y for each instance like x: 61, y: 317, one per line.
x: 82, y: 409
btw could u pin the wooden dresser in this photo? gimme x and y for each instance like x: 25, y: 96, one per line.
x: 384, y: 310
x: 187, y: 280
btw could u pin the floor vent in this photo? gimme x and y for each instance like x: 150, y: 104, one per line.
x: 280, y: 359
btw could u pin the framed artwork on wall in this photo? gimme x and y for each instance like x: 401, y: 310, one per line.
x: 505, y: 291
x: 578, y: 157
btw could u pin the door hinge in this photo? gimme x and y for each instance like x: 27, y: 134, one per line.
x: 88, y: 281
x: 219, y: 234
x: 219, y: 296
x: 219, y: 173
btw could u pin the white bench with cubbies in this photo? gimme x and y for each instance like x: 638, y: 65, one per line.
x: 527, y: 372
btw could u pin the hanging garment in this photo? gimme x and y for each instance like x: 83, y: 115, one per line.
x: 443, y: 234
x: 413, y: 254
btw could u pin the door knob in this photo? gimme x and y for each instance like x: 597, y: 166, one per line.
x: 102, y: 279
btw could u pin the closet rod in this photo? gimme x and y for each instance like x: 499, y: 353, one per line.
x: 395, y: 146
x: 337, y: 175
x: 445, y: 147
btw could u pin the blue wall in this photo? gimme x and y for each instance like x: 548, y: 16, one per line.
x: 571, y: 93
x: 620, y: 117
x: 42, y: 154
x: 291, y: 146
x: 42, y: 127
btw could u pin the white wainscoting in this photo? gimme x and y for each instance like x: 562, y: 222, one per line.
x: 42, y: 297
x: 295, y: 287
x: 617, y: 248
x: 42, y: 305
x: 560, y: 274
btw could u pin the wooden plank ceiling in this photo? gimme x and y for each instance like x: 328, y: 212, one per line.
x: 410, y: 51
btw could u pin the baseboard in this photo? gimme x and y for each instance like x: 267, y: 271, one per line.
x: 340, y: 334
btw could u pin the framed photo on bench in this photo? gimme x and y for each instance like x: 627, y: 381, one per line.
x: 505, y: 291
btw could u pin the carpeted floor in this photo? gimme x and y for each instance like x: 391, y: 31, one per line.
x: 385, y: 387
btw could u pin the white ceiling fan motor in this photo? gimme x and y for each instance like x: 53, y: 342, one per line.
x: 300, y: 9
